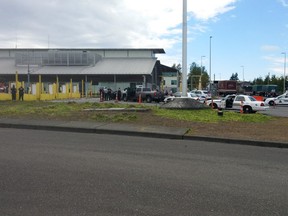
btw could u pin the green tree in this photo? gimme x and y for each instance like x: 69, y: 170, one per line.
x: 178, y: 67
x: 258, y: 81
x: 234, y: 76
x: 273, y: 80
x: 194, y: 77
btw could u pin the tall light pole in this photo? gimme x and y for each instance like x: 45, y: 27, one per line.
x: 284, y: 87
x: 210, y: 89
x: 243, y: 72
x: 184, y: 50
x: 200, y: 80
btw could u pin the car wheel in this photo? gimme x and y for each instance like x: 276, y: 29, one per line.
x: 214, y: 106
x: 247, y: 109
x: 271, y: 103
x: 148, y: 99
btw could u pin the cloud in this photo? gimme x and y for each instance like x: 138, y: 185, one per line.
x: 276, y: 63
x: 270, y: 48
x: 284, y: 3
x: 207, y: 9
x: 102, y: 24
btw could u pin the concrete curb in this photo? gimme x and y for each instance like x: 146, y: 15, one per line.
x: 103, y: 129
x: 130, y: 130
x: 239, y: 141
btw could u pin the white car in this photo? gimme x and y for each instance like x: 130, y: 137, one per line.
x: 280, y: 100
x: 179, y: 94
x: 200, y: 93
x: 216, y: 103
x: 246, y: 103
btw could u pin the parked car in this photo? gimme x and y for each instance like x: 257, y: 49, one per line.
x: 179, y: 94
x: 280, y: 100
x: 147, y: 95
x: 201, y: 93
x: 246, y: 103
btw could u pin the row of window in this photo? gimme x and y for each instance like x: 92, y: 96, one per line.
x: 173, y: 82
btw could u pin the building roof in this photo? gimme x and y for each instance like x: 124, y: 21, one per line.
x: 106, y: 66
x: 123, y: 66
x: 154, y: 50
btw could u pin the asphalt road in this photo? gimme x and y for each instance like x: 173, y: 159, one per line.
x: 279, y: 111
x: 58, y: 173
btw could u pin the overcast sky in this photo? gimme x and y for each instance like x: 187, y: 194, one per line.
x: 248, y: 33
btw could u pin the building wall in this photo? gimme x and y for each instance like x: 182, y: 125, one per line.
x: 108, y: 79
x: 6, y: 53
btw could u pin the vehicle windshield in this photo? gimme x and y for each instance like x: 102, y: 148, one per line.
x: 252, y: 98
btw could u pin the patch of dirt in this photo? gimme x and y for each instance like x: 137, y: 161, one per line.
x: 274, y: 130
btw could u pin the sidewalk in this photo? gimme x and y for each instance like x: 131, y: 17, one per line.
x: 125, y: 129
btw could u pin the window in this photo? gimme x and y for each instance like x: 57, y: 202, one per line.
x: 173, y: 82
x: 240, y: 98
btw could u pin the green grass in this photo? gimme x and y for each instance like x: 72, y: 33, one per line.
x: 41, y: 109
x: 210, y: 116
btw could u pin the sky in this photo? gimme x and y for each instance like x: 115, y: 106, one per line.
x: 249, y: 37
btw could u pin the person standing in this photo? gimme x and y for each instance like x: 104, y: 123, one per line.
x: 21, y: 93
x: 119, y: 94
x: 13, y: 91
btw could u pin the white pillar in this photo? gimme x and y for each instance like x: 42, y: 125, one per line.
x: 184, y: 50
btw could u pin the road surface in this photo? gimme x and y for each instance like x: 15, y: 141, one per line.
x: 60, y: 173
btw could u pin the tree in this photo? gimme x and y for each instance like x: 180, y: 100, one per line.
x: 234, y: 77
x: 273, y: 80
x: 194, y: 77
x: 178, y: 67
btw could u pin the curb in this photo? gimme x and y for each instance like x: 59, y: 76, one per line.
x: 179, y: 136
x: 238, y: 141
x: 93, y: 130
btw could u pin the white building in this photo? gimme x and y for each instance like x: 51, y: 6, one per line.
x: 114, y: 68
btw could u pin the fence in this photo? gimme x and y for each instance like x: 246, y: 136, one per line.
x: 43, y: 91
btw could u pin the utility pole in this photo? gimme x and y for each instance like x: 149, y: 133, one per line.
x: 210, y: 86
x: 184, y: 50
x: 284, y: 82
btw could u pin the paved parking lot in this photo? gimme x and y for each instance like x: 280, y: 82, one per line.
x: 280, y: 111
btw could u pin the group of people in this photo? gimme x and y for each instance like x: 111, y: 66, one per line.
x: 14, y: 92
x: 107, y: 94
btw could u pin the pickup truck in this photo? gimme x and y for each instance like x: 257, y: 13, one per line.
x: 147, y: 95
x: 247, y: 103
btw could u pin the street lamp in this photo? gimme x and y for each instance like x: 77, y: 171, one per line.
x: 200, y: 80
x: 243, y: 72
x: 284, y: 88
x: 210, y: 89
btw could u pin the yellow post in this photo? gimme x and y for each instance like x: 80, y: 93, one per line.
x: 16, y: 78
x: 40, y: 87
x: 54, y: 90
x: 57, y: 87
x: 16, y: 84
x: 71, y: 88
x: 82, y: 92
x: 91, y: 88
x: 67, y: 90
